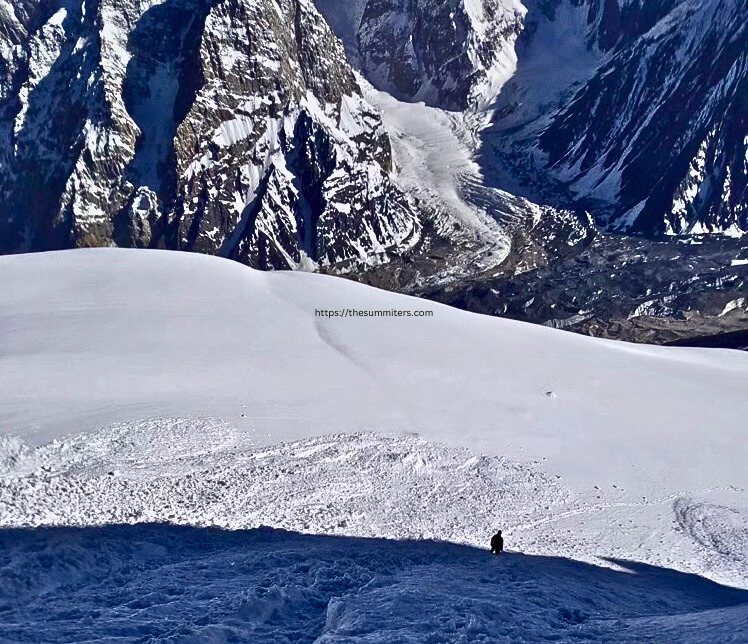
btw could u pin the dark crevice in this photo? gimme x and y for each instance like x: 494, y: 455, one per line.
x: 162, y: 80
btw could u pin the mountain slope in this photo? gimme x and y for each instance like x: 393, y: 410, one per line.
x: 247, y: 130
x: 524, y: 157
x: 204, y: 336
x: 177, y: 125
x: 407, y: 427
x: 448, y: 53
x: 633, y: 112
x: 651, y: 136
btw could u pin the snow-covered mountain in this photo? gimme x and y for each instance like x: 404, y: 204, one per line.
x: 173, y: 124
x: 633, y: 111
x: 453, y: 54
x: 473, y: 151
x: 234, y: 128
x: 206, y: 399
x: 643, y: 122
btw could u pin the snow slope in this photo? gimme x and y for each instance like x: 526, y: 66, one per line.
x: 274, y: 586
x: 147, y: 386
x: 93, y: 337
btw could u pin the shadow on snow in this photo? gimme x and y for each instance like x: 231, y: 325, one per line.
x: 137, y: 582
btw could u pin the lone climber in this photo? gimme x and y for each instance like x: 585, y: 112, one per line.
x: 497, y: 543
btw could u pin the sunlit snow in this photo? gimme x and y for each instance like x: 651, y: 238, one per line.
x: 159, y: 407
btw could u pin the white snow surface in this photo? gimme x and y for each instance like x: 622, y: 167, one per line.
x: 433, y: 151
x: 169, y: 389
x: 94, y: 337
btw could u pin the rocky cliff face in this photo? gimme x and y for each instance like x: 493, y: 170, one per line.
x: 232, y: 127
x: 646, y: 127
x: 237, y: 127
x: 449, y: 53
x: 634, y: 111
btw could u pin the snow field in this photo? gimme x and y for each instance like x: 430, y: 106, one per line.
x: 204, y: 473
x: 92, y: 338
x: 594, y: 453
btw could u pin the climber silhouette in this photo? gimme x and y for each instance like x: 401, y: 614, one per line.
x: 497, y: 543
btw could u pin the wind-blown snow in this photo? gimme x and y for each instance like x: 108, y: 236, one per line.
x: 146, y: 386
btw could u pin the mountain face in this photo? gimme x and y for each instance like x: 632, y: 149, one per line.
x: 648, y: 128
x: 234, y: 127
x: 238, y: 127
x: 634, y: 111
x: 448, y: 53
x: 472, y: 151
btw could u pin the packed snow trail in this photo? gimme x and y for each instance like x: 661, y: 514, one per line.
x: 161, y: 582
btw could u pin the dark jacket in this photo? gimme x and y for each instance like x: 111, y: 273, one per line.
x: 497, y: 543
